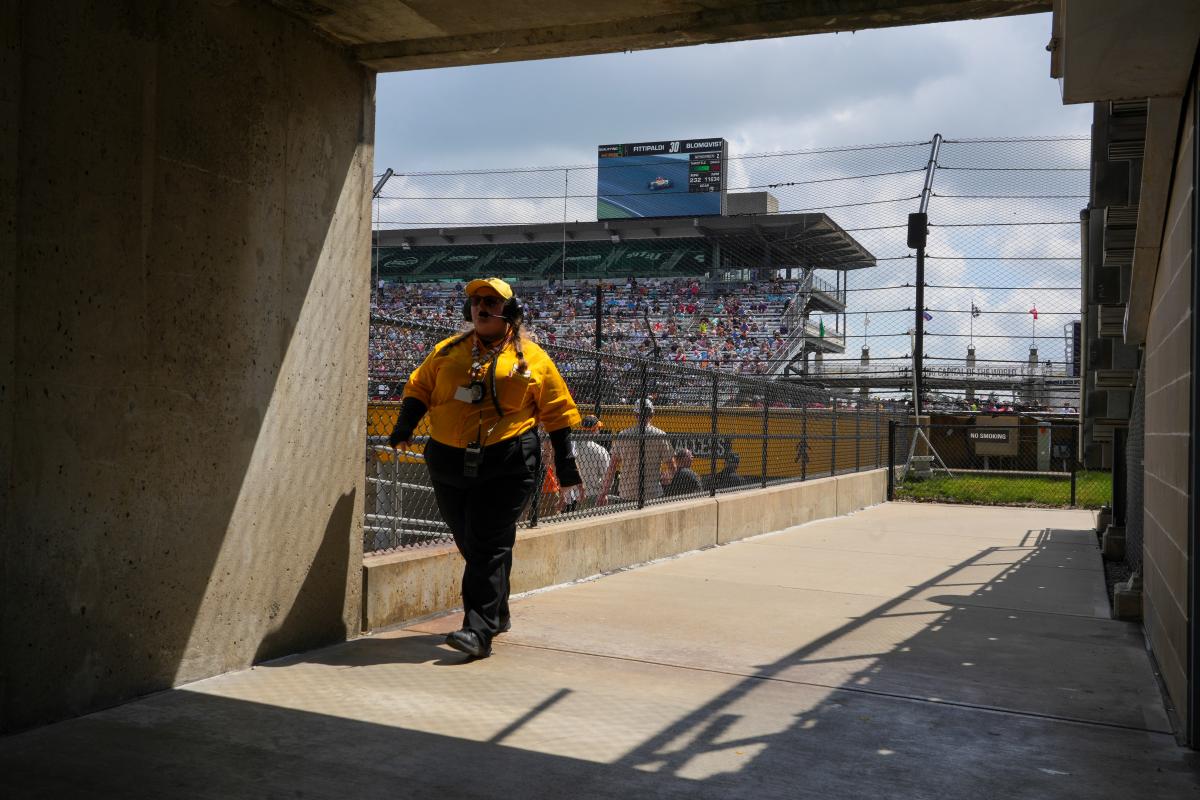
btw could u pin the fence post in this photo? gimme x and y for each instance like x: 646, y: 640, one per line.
x: 804, y: 441
x: 858, y: 439
x: 712, y: 442
x: 891, y: 476
x: 540, y: 478
x: 599, y: 379
x: 640, y: 409
x: 765, y: 430
x: 833, y: 438
x: 1074, y: 464
x: 878, y: 443
x: 397, y: 503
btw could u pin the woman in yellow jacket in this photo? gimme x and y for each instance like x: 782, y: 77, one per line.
x: 485, y: 391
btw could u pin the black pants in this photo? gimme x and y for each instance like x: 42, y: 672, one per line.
x: 482, y: 514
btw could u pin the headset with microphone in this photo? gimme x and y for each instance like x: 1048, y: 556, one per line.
x: 512, y: 311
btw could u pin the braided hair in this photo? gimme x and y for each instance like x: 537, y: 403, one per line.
x: 522, y: 366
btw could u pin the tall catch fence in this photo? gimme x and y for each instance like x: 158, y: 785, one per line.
x: 808, y: 274
x: 810, y: 300
x: 710, y: 432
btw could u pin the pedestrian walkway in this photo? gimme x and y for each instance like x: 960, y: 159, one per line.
x: 905, y: 651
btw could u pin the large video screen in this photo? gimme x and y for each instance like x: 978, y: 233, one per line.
x: 683, y: 178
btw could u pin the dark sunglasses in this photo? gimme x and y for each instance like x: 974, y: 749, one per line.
x: 487, y: 300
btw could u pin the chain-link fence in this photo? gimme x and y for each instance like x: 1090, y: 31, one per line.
x: 805, y: 278
x: 806, y: 274
x: 704, y: 432
x: 993, y: 460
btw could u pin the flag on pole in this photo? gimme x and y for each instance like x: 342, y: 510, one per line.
x: 928, y: 317
x: 1033, y: 311
x: 975, y: 312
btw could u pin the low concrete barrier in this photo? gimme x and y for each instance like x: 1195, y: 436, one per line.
x: 415, y: 583
x: 750, y: 513
x: 860, y: 489
x: 410, y: 584
x: 402, y: 586
x: 564, y: 552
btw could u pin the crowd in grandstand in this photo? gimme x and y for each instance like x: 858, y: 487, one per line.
x: 734, y: 327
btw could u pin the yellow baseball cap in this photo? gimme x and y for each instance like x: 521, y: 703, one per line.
x: 495, y: 284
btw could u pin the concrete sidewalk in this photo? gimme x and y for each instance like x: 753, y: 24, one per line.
x: 906, y: 651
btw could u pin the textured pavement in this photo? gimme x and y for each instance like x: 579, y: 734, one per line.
x: 905, y: 651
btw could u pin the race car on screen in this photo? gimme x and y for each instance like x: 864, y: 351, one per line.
x: 659, y: 183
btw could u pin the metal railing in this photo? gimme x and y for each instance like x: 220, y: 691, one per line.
x: 1010, y: 372
x: 818, y: 284
x: 802, y: 331
x: 711, y: 432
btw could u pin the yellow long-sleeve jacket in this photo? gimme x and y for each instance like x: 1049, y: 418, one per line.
x: 541, y: 397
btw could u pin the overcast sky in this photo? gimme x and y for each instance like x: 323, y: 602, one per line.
x: 965, y: 79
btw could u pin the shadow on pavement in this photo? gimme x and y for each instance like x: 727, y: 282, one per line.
x: 997, y: 694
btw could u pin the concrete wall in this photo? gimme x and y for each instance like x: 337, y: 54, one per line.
x: 404, y: 586
x: 1168, y: 433
x: 10, y: 88
x: 185, y: 375
x: 750, y: 513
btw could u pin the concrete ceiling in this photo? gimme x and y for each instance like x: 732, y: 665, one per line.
x: 391, y: 35
x: 1119, y: 50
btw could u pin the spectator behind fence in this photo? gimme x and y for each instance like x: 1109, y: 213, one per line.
x: 626, y: 450
x: 728, y: 478
x: 550, y: 497
x: 592, y: 460
x: 684, y: 481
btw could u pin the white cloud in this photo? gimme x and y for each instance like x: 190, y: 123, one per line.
x: 984, y: 77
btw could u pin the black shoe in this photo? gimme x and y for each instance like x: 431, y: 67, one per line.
x: 468, y: 641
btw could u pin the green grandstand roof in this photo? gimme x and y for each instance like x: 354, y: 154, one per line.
x: 682, y: 246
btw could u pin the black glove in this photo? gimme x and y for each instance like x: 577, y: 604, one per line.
x: 564, y: 458
x: 411, y: 411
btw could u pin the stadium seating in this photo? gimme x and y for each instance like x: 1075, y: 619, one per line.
x: 736, y: 327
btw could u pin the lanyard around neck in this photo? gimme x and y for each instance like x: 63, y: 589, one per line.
x: 476, y: 363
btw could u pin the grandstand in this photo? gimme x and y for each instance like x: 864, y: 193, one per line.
x: 752, y: 293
